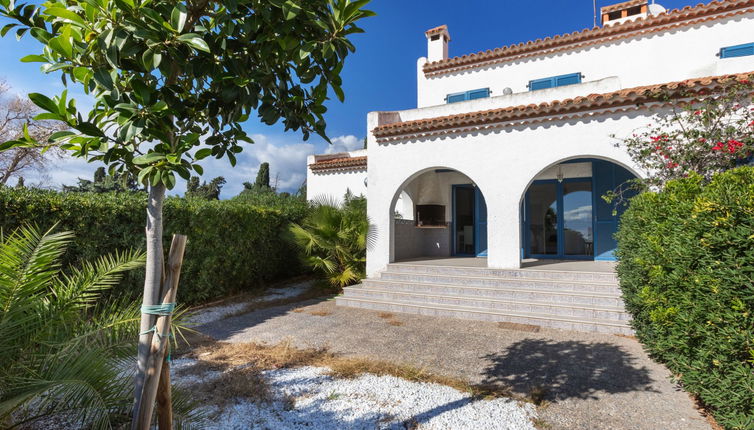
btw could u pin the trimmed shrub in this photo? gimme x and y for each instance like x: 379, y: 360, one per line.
x: 233, y: 245
x: 686, y: 268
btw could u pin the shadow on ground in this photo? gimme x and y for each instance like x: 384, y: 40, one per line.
x: 553, y: 371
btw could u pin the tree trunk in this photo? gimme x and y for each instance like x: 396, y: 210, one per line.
x: 160, y: 343
x: 152, y: 286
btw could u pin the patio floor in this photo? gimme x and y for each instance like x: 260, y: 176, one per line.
x: 529, y: 263
x: 589, y: 380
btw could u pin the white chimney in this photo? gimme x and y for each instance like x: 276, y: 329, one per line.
x: 437, y: 43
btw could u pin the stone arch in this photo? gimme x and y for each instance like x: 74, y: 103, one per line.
x: 437, y: 181
x: 562, y: 213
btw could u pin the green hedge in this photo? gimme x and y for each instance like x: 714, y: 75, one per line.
x: 686, y: 268
x: 233, y: 246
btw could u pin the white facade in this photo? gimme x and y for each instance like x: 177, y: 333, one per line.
x: 666, y: 56
x: 333, y: 183
x: 418, y: 156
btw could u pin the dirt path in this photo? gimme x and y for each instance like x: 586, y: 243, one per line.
x: 588, y: 381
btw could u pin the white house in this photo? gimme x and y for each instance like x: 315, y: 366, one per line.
x: 509, y: 150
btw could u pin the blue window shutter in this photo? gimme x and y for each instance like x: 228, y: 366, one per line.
x: 457, y: 97
x: 540, y: 84
x: 737, y: 51
x: 468, y: 95
x: 555, y: 81
x: 479, y: 94
x: 573, y: 78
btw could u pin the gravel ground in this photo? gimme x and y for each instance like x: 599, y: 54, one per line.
x: 215, y: 313
x: 307, y: 398
x: 590, y: 381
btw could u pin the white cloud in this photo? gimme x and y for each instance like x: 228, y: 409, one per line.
x: 344, y: 144
x: 285, y: 153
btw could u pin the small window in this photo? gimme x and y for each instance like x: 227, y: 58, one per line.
x: 737, y: 51
x: 555, y: 81
x: 481, y: 93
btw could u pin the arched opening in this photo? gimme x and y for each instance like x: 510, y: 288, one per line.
x: 439, y: 213
x: 563, y: 214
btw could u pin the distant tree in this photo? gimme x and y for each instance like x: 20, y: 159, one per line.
x: 301, y: 193
x: 261, y: 183
x: 15, y: 113
x: 365, y: 143
x: 204, y: 191
x: 263, y: 175
x: 100, y: 175
x: 104, y: 183
x: 20, y: 182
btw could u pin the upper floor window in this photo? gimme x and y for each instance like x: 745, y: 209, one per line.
x: 555, y: 81
x: 737, y: 51
x: 468, y: 95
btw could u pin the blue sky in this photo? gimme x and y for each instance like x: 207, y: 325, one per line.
x: 381, y: 75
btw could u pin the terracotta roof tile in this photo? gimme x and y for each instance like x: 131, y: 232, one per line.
x: 621, y: 6
x: 651, y: 24
x: 342, y: 163
x: 547, y: 110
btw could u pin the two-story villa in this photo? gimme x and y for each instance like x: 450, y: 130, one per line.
x: 508, y: 153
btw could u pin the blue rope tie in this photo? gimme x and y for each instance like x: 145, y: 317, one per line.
x: 163, y: 309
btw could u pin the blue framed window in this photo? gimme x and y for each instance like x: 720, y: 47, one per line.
x: 737, y: 51
x: 481, y: 93
x: 554, y: 81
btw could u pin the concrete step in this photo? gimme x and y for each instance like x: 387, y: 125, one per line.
x: 539, y: 295
x: 463, y: 312
x: 504, y: 282
x: 612, y: 313
x: 563, y: 275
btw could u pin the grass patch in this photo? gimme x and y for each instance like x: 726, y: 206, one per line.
x: 245, y: 361
x: 385, y: 315
x: 320, y: 313
x: 395, y: 323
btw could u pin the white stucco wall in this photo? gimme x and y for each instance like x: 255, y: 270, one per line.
x: 504, y: 161
x: 334, y: 183
x: 501, y: 162
x: 643, y: 60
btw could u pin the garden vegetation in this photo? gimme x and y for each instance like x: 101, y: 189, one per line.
x: 234, y: 245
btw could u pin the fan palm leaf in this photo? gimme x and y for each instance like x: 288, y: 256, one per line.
x: 65, y: 353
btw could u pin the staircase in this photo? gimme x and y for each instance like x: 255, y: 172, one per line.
x: 569, y: 300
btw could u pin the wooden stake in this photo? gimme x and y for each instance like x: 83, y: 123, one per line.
x: 160, y: 342
x: 164, y: 399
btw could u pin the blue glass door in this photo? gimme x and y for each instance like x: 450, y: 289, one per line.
x: 469, y: 226
x: 559, y: 220
x: 480, y: 221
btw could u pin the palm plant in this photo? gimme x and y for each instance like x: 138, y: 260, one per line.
x: 65, y: 354
x: 334, y: 240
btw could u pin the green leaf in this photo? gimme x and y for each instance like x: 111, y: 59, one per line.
x: 143, y: 175
x: 290, y: 10
x: 198, y: 169
x: 149, y: 158
x: 33, y: 59
x: 203, y: 153
x: 62, y: 43
x: 6, y: 29
x: 143, y: 92
x: 195, y: 41
x: 44, y: 102
x: 151, y: 59
x: 89, y: 129
x: 103, y: 78
x: 178, y: 17
x: 48, y: 115
x: 65, y: 14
